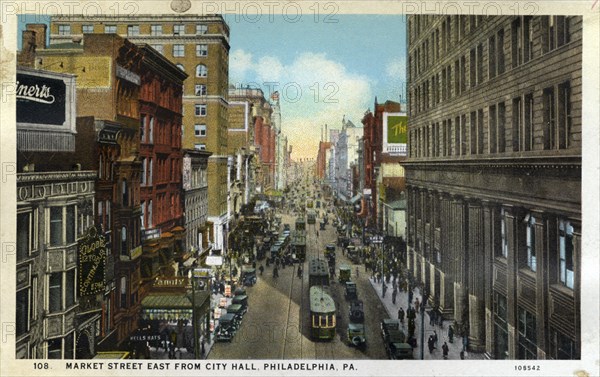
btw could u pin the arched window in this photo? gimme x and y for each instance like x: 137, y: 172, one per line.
x: 124, y: 250
x: 124, y: 193
x: 201, y: 70
x: 180, y: 66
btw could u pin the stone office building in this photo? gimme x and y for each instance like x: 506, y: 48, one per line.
x: 494, y: 178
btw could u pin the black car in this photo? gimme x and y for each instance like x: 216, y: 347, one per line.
x: 357, y: 313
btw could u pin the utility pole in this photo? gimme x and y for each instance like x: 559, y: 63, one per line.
x: 422, y: 332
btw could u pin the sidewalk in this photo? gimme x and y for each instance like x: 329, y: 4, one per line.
x: 442, y: 332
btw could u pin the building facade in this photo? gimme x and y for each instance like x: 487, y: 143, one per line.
x: 195, y: 193
x: 494, y: 178
x: 55, y: 211
x: 198, y: 45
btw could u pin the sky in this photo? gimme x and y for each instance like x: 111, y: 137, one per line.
x: 325, y: 69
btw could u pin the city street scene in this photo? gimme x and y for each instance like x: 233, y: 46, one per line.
x: 192, y: 186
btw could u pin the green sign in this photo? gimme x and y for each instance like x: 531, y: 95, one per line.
x: 92, y: 252
x: 397, y: 129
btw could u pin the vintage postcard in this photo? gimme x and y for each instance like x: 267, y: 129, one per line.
x: 266, y: 188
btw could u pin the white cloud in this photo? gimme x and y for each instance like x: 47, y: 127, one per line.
x: 396, y: 68
x: 314, y: 91
x: 240, y: 62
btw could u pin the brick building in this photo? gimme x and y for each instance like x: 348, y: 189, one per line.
x: 494, y: 178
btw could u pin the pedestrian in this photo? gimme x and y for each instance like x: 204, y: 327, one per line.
x: 430, y: 344
x: 431, y: 318
x: 435, y: 338
x: 401, y: 315
x: 261, y: 269
x: 465, y: 340
x: 445, y: 349
x: 417, y: 304
x: 300, y: 271
x: 203, y: 347
x: 394, y: 293
x: 410, y: 295
x: 357, y: 272
x: 275, y: 272
x: 451, y: 334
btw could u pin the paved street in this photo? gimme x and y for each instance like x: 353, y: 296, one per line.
x: 276, y: 325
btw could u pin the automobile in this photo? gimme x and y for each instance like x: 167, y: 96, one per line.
x: 241, y: 300
x: 248, y: 277
x: 356, y: 335
x: 356, y: 312
x: 239, y: 291
x: 227, y: 327
x: 322, y: 225
x: 351, y: 292
x: 286, y: 227
x: 344, y: 275
x: 236, y: 310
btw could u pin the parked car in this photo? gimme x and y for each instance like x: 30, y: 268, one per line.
x: 227, y: 327
x: 356, y: 335
x: 351, y: 292
x: 356, y: 312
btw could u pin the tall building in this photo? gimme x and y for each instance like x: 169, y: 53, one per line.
x: 198, y: 45
x: 494, y: 178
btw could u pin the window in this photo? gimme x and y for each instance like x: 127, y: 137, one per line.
x: 144, y: 171
x: 200, y: 147
x: 503, y: 234
x: 200, y: 130
x: 150, y: 214
x: 200, y: 89
x: 200, y: 109
x: 549, y: 118
x: 480, y: 131
x: 500, y: 51
x: 150, y: 172
x: 564, y: 115
x: 492, y: 124
x: 566, y: 247
x: 124, y: 249
x: 58, y: 217
x: 555, y: 31
x: 517, y: 123
x: 26, y: 234
x: 143, y: 128
x: 178, y: 51
x: 517, y: 43
x: 179, y: 29
x: 133, y: 30
x: 55, y: 292
x: 55, y: 348
x: 123, y: 291
x: 143, y: 215
x: 473, y: 133
x: 562, y: 347
x: 473, y: 68
x: 22, y: 312
x: 64, y: 29
x: 156, y: 30
x: 528, y: 123
x: 527, y: 348
x: 180, y: 66
x: 500, y: 127
x: 480, y: 77
x: 527, y: 39
x: 124, y: 193
x: 492, y: 57
x: 86, y: 29
x: 530, y: 242
x: 500, y: 326
x: 201, y: 29
x: 110, y: 29
x: 463, y: 135
x: 151, y: 130
x: 158, y: 48
x: 70, y: 288
x: 201, y: 70
x: 202, y: 50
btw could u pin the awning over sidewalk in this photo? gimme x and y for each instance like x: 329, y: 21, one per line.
x: 170, y: 306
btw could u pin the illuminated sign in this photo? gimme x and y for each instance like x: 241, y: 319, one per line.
x: 92, y: 254
x: 395, y: 131
x: 41, y: 100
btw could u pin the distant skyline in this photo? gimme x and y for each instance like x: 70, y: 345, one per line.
x: 324, y: 71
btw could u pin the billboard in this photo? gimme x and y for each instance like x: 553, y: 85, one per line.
x: 40, y: 100
x: 395, y: 131
x: 92, y: 253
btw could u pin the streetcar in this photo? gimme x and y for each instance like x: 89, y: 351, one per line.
x: 322, y: 314
x: 300, y: 223
x: 318, y: 273
x: 299, y: 244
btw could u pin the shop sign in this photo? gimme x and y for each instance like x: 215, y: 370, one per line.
x: 149, y: 234
x: 177, y: 282
x: 41, y: 100
x: 92, y: 254
x: 128, y: 75
x: 145, y: 337
x: 214, y: 260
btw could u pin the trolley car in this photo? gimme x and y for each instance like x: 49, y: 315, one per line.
x: 322, y: 314
x: 299, y: 244
x: 318, y: 273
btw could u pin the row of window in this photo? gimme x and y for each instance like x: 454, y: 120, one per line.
x: 433, y: 90
x: 134, y: 30
x: 178, y: 50
x: 562, y: 347
x: 459, y: 138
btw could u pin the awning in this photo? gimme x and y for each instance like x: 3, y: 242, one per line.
x: 355, y: 198
x: 165, y: 306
